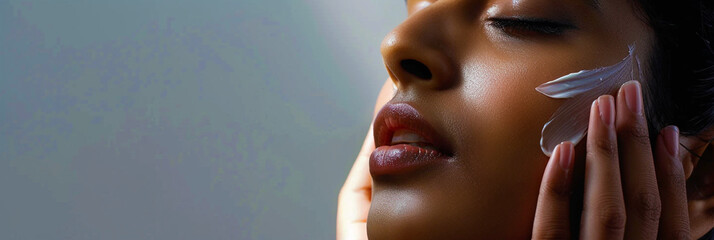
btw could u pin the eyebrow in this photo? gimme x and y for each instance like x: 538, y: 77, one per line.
x: 593, y: 3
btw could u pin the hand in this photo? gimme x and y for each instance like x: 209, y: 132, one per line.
x: 356, y: 196
x: 628, y: 194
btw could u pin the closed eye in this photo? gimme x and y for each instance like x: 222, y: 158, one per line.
x: 530, y: 26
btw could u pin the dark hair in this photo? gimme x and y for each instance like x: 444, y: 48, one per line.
x: 680, y: 90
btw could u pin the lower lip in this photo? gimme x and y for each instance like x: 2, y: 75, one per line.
x: 401, y: 159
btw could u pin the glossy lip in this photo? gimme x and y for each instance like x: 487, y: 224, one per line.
x: 389, y: 159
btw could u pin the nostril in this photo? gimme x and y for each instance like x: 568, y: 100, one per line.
x: 416, y: 68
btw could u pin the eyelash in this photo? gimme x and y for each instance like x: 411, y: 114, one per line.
x: 522, y: 26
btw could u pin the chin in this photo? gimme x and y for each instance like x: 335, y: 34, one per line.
x: 436, y: 225
x: 434, y: 210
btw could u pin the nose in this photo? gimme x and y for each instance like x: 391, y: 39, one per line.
x: 416, y: 53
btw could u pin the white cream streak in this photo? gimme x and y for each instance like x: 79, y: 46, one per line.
x: 570, y: 121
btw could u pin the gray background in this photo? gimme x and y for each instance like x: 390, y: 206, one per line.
x: 183, y: 119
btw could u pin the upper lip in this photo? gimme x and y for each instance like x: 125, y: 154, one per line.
x: 396, y: 116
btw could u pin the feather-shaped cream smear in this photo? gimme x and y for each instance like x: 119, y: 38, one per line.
x: 570, y: 121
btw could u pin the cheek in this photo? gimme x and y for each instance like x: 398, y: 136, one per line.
x: 497, y: 118
x: 504, y: 113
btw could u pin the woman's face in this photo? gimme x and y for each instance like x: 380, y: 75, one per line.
x: 484, y: 60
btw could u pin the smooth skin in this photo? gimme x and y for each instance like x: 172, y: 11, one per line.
x: 481, y: 98
x: 629, y: 194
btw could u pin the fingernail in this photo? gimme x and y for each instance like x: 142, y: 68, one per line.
x: 606, y: 104
x: 633, y: 96
x: 565, y: 157
x: 671, y: 140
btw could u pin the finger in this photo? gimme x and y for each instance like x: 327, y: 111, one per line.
x: 639, y: 181
x: 356, y: 195
x: 674, y: 222
x: 552, y: 212
x: 603, y: 204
